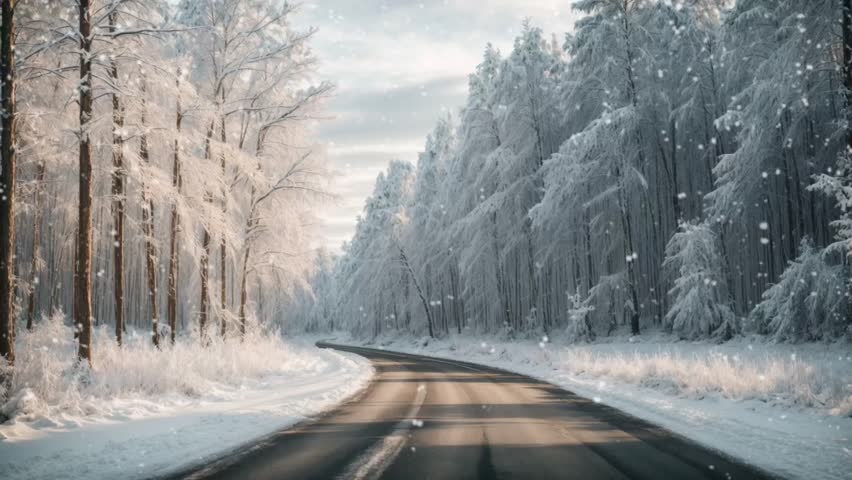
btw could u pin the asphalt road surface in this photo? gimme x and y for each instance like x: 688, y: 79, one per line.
x: 424, y: 418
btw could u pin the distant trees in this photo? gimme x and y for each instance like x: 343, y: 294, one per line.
x: 660, y: 169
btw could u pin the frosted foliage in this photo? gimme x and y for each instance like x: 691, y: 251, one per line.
x: 49, y: 382
x: 579, y: 327
x: 699, y: 307
x: 661, y: 164
x: 200, y: 139
x: 808, y: 302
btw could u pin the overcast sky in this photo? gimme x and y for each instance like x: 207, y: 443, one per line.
x: 398, y: 65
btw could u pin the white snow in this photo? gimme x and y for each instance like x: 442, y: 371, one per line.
x: 143, y: 413
x: 783, y: 408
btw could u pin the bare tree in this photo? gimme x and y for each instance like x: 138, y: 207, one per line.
x: 235, y: 41
x: 403, y: 258
x: 297, y: 177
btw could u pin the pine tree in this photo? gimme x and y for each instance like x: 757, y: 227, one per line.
x: 808, y: 302
x: 700, y: 307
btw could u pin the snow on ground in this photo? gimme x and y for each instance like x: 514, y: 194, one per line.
x: 143, y: 413
x: 784, y: 408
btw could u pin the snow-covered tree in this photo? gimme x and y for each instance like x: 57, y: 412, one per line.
x: 140, y: 117
x: 579, y: 327
x: 700, y: 306
x: 571, y: 167
x: 808, y: 303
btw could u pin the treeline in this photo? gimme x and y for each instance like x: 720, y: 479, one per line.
x: 674, y: 166
x: 157, y: 173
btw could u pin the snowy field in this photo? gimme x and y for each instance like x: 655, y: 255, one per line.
x: 784, y: 408
x: 143, y: 413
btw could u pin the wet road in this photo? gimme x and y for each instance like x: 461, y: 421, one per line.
x: 423, y: 418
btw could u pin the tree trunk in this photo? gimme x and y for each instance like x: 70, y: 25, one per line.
x: 404, y: 259
x: 204, y: 267
x: 7, y: 184
x: 117, y: 197
x: 243, y: 288
x: 250, y: 223
x: 625, y: 212
x: 83, y: 260
x: 454, y: 289
x: 36, y: 245
x: 223, y: 256
x: 847, y: 68
x: 148, y: 229
x: 205, y: 272
x: 174, y: 256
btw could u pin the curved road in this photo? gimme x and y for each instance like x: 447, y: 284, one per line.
x: 424, y: 418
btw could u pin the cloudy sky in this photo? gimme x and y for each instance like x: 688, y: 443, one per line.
x: 398, y: 65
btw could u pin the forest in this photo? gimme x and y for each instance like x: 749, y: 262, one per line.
x: 623, y: 247
x: 157, y: 175
x: 668, y: 167
x: 676, y: 167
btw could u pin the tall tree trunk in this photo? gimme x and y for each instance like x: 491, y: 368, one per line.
x: 174, y: 256
x: 223, y: 256
x: 7, y: 183
x: 250, y: 223
x: 83, y: 260
x: 148, y: 229
x: 454, y: 288
x: 36, y: 245
x: 847, y: 68
x: 204, y: 267
x: 118, y: 200
x: 244, y: 289
x: 625, y: 210
x: 246, y: 256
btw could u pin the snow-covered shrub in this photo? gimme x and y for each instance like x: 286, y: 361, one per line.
x: 700, y: 307
x: 609, y: 301
x: 808, y: 303
x: 49, y: 381
x: 774, y: 373
x: 579, y: 328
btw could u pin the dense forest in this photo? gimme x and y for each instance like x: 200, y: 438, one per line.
x: 670, y: 166
x: 157, y: 171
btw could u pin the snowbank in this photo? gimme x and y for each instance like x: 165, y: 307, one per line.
x: 141, y: 412
x: 784, y: 408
